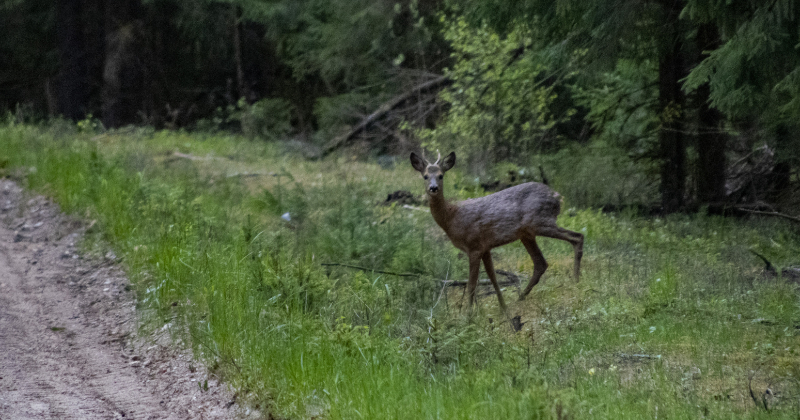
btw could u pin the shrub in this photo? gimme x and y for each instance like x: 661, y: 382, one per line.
x: 500, y: 104
x: 269, y: 118
x: 599, y: 174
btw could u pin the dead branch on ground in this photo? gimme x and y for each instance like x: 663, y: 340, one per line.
x: 384, y: 109
x: 770, y: 213
x: 513, y: 279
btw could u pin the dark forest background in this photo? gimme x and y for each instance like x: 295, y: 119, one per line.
x: 695, y: 101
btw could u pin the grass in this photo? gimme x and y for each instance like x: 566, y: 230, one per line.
x: 673, y: 316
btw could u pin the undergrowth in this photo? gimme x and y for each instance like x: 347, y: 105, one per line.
x: 249, y: 250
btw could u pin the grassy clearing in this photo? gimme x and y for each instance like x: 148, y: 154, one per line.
x: 673, y: 317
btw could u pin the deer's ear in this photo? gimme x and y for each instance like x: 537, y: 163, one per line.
x: 448, y: 162
x: 418, y: 163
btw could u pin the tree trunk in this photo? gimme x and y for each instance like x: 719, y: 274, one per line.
x: 710, y: 139
x: 72, y: 84
x: 671, y: 137
x: 123, y: 70
x: 237, y: 52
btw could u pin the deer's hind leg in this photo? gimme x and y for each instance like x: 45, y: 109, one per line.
x: 539, y: 264
x: 574, y: 238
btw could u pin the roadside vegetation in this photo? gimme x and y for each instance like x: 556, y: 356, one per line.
x: 245, y: 248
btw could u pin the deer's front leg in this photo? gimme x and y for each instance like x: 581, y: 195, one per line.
x: 487, y: 263
x: 474, y: 269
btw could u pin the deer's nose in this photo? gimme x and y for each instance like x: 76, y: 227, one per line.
x: 433, y: 188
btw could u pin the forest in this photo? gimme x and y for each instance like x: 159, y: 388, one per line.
x: 699, y: 97
x: 248, y: 161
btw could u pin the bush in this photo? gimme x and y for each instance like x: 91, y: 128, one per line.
x: 501, y: 101
x: 335, y: 112
x: 598, y: 175
x: 269, y: 118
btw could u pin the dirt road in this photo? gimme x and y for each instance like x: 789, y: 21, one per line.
x: 68, y: 344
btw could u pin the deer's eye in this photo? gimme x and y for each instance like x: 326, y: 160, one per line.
x: 441, y: 176
x: 425, y: 176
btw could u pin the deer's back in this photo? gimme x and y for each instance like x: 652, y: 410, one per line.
x: 504, y: 216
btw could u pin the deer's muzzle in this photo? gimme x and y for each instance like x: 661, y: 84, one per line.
x: 433, y: 187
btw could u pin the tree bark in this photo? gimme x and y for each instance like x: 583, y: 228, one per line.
x: 123, y: 71
x: 711, y: 140
x: 237, y: 52
x: 72, y: 84
x: 671, y: 136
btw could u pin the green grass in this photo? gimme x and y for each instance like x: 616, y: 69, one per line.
x: 672, y: 316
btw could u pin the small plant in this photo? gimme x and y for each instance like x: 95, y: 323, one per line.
x: 90, y: 124
x: 664, y: 287
x: 269, y: 118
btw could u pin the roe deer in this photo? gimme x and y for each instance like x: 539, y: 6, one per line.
x: 476, y: 226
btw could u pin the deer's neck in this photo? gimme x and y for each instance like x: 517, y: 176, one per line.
x: 442, y: 210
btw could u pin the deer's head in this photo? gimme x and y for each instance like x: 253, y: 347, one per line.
x: 433, y: 173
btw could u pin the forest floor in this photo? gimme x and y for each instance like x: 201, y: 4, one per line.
x: 69, y: 345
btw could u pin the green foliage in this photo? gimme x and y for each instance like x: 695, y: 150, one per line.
x: 346, y: 43
x: 622, y: 106
x: 600, y: 174
x: 90, y: 124
x: 346, y: 109
x: 268, y: 118
x: 664, y: 287
x: 754, y: 72
x: 500, y: 101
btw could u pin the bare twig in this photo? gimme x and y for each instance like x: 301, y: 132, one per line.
x: 513, y: 279
x: 406, y: 206
x: 763, y: 402
x: 768, y: 267
x: 248, y: 174
x: 638, y: 356
x: 481, y: 282
x: 179, y: 155
x: 511, y: 276
x: 770, y: 213
x: 371, y: 270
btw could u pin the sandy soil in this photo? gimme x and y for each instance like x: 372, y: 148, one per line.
x: 68, y: 342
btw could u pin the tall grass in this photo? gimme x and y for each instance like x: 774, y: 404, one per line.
x: 672, y: 316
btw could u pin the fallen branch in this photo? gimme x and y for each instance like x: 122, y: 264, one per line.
x: 791, y: 273
x: 770, y: 213
x: 763, y: 402
x: 370, y: 270
x: 638, y: 356
x: 179, y: 155
x: 511, y: 276
x: 249, y: 174
x: 513, y: 280
x: 383, y: 110
x: 481, y: 282
x: 768, y: 267
x: 410, y: 207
